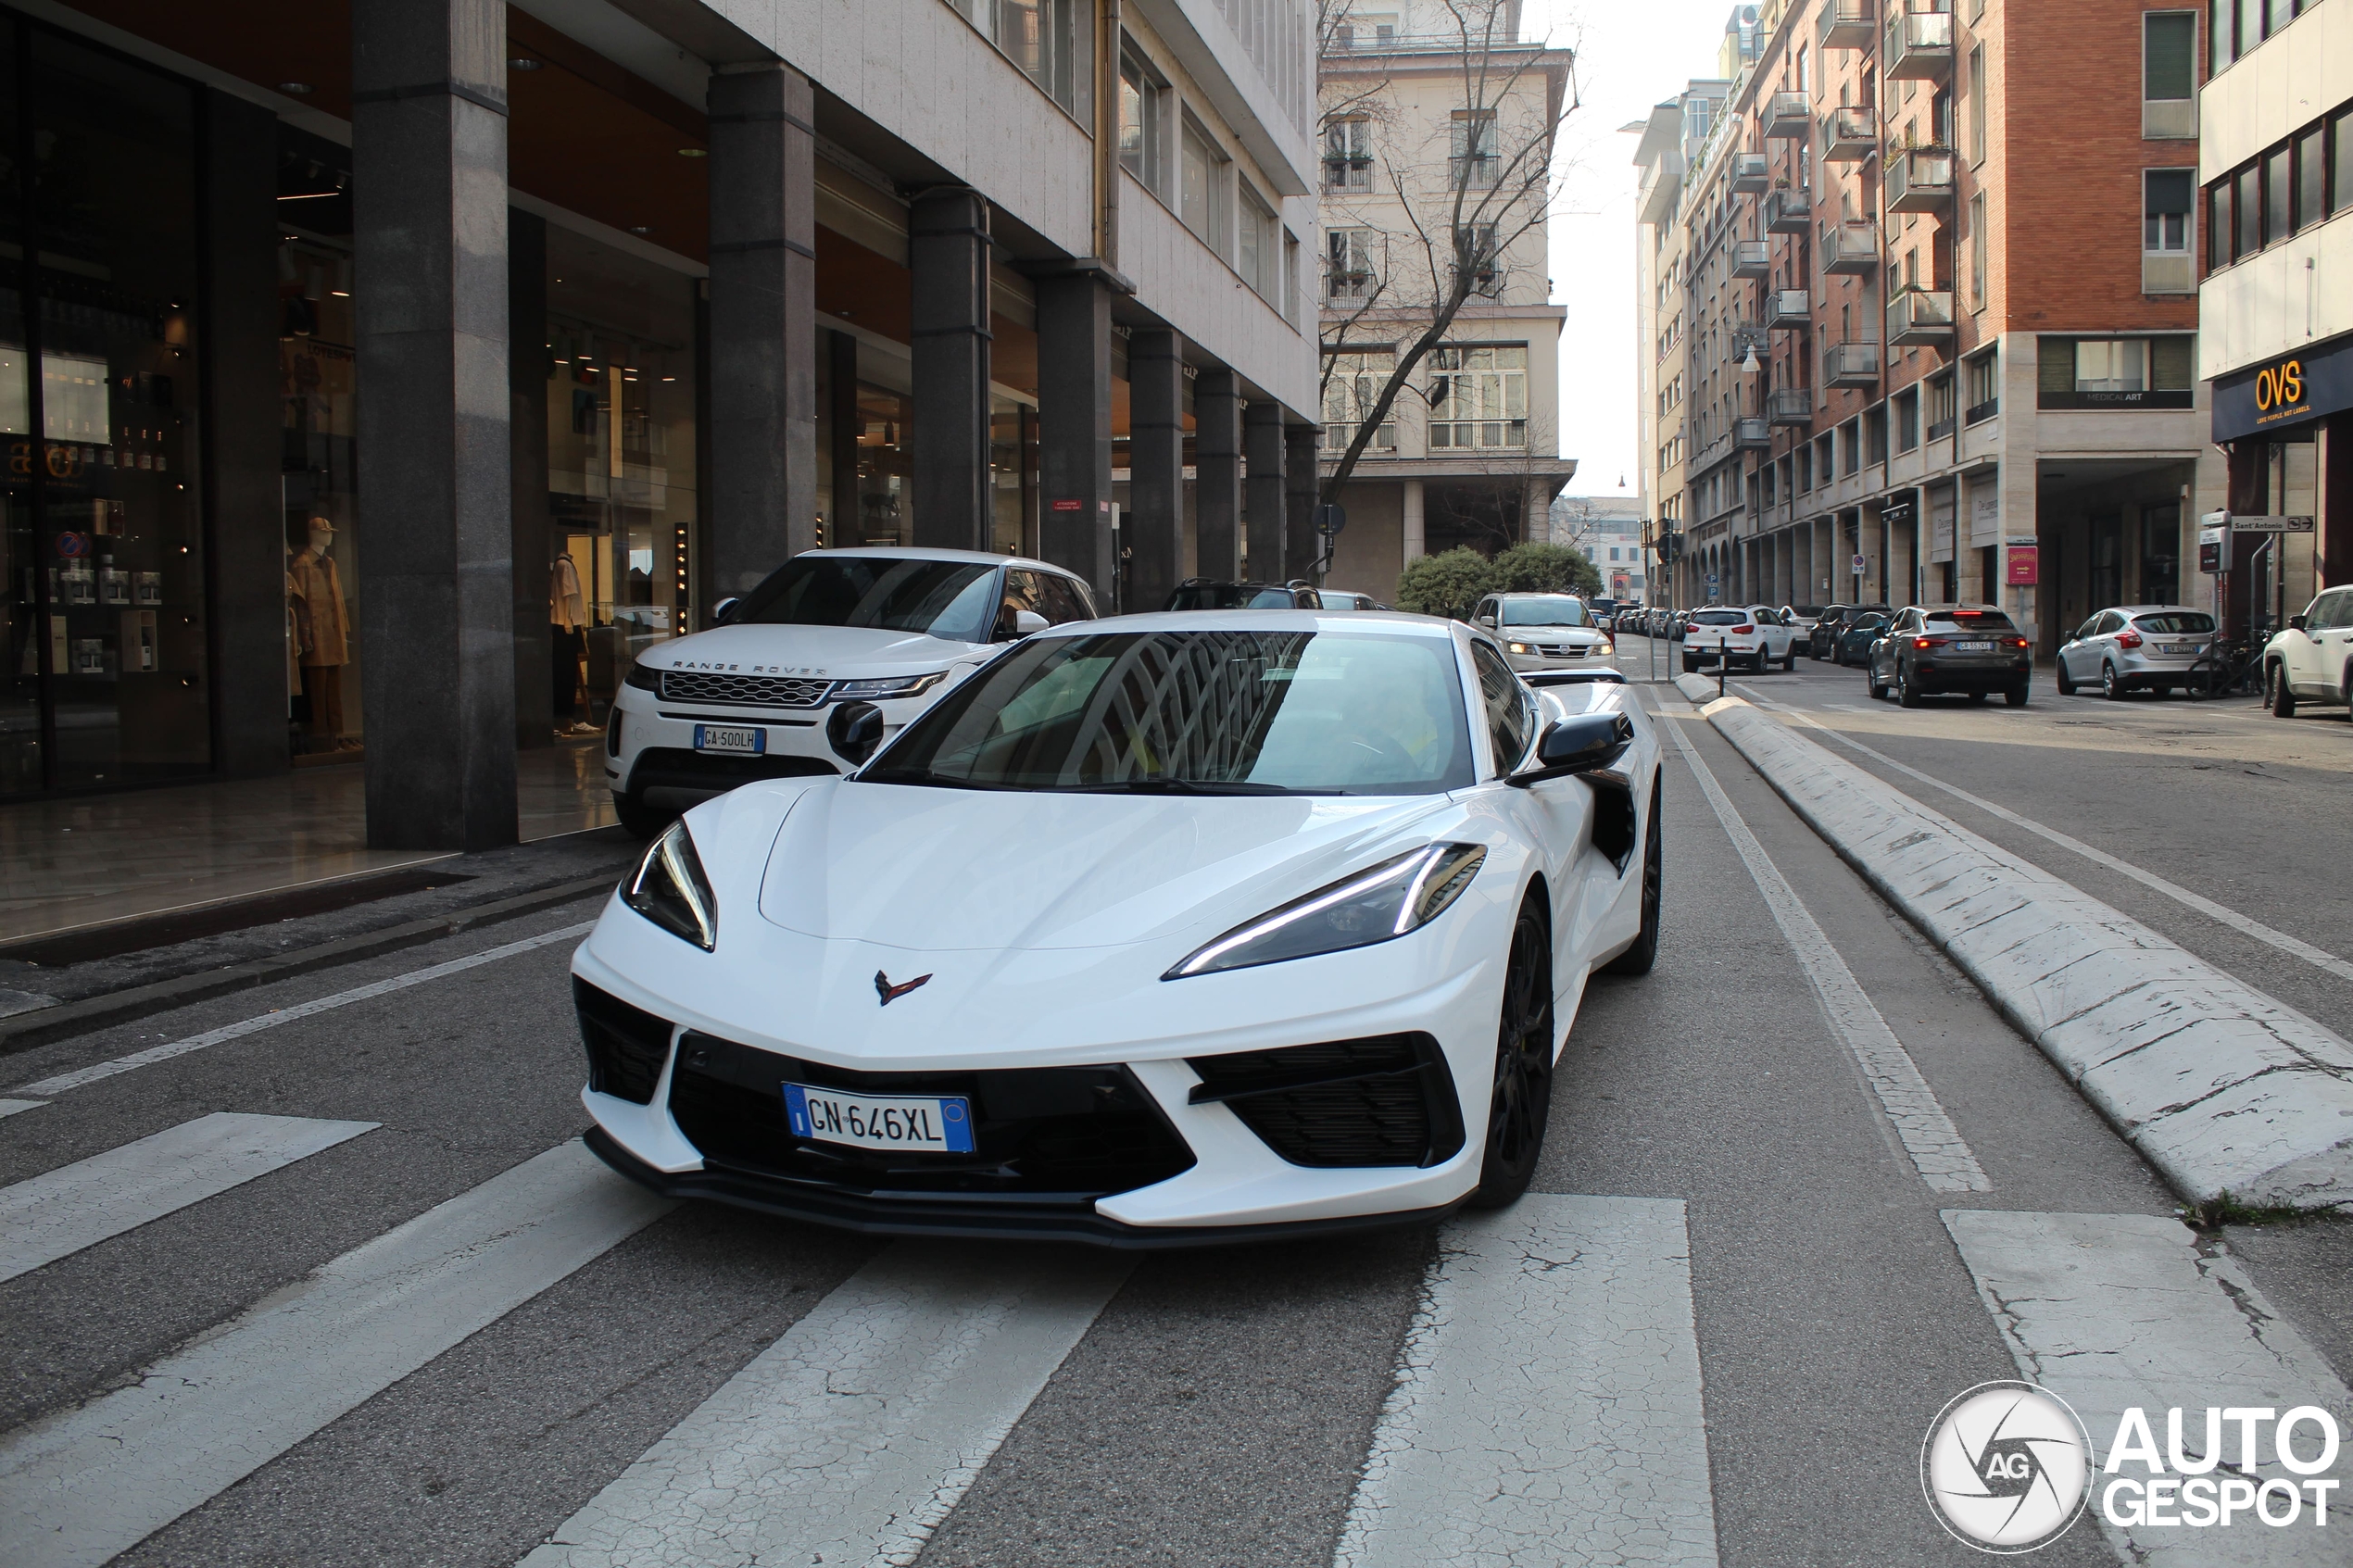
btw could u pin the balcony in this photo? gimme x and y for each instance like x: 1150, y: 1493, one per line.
x: 1788, y: 310
x: 1749, y: 176
x: 1789, y: 212
x: 1849, y: 135
x: 1921, y: 180
x: 1752, y: 259
x: 1919, y: 316
x: 1851, y: 246
x: 1850, y: 365
x: 1918, y: 48
x: 1790, y: 405
x: 1752, y: 435
x: 1847, y: 24
x: 1789, y: 117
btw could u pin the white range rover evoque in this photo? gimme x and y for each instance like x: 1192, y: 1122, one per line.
x: 761, y: 695
x: 1155, y: 931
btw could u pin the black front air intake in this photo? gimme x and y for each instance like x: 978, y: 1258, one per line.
x: 627, y: 1045
x: 1387, y: 1101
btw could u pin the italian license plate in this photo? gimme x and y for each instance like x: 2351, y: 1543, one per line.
x: 1972, y: 648
x: 745, y: 738
x: 921, y: 1123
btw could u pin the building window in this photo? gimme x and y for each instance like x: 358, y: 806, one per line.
x: 1204, y: 198
x: 2312, y: 176
x: 1361, y: 30
x: 1908, y: 421
x: 1977, y: 103
x: 1479, y: 396
x: 2126, y: 373
x: 1347, y: 153
x: 1348, y: 276
x: 1472, y: 161
x: 2169, y: 74
x: 1982, y: 387
x: 2341, y: 197
x: 1350, y: 392
x: 2217, y: 226
x: 1487, y: 267
x: 1875, y: 435
x: 1940, y: 408
x: 1143, y: 123
x: 1040, y: 37
x: 1977, y: 242
x: 2167, y: 205
x: 1290, y: 277
x: 2250, y: 202
x: 2279, y: 195
x: 1259, y: 254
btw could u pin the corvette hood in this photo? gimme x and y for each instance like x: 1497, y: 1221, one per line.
x: 945, y: 869
x: 835, y: 651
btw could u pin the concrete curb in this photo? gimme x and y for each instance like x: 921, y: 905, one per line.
x: 25, y: 1030
x: 2233, y: 1096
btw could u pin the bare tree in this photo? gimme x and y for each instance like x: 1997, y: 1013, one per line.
x: 1447, y: 216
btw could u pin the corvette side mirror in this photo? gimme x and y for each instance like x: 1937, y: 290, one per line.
x: 855, y: 732
x: 1585, y: 744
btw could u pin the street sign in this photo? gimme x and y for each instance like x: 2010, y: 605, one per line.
x: 1860, y: 566
x: 2024, y: 563
x: 1711, y: 580
x: 1330, y: 519
x: 2271, y: 524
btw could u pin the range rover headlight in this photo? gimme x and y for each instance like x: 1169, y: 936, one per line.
x: 1377, y: 904
x: 882, y: 690
x: 669, y: 888
x: 643, y: 676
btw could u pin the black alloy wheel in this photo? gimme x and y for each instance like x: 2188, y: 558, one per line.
x: 1638, y: 958
x: 1522, y: 1102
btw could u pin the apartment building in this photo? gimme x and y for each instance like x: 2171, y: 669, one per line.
x: 1468, y: 456
x: 1671, y: 138
x: 2275, y: 165
x: 1608, y: 530
x: 405, y: 362
x: 1943, y: 288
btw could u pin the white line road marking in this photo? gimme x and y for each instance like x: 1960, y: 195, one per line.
x: 82, y: 1485
x: 851, y: 1438
x: 1937, y: 1149
x: 1547, y: 1408
x: 57, y: 1214
x: 11, y: 1107
x: 2318, y: 958
x: 2114, y: 1310
x: 153, y: 1054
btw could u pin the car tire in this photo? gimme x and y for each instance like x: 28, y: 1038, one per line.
x: 1521, y: 1102
x: 1638, y: 958
x: 1908, y: 688
x: 2066, y: 682
x: 1978, y: 697
x: 1789, y: 659
x: 639, y: 818
x: 2015, y: 696
x: 2282, y: 696
x: 1878, y: 687
x: 1690, y: 665
x: 2111, y: 684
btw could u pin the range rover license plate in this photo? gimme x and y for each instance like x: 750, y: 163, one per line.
x: 943, y: 1125
x: 746, y: 739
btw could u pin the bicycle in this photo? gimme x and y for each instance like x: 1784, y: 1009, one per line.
x: 2226, y: 669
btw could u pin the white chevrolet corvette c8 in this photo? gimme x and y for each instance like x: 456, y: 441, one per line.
x: 1160, y: 930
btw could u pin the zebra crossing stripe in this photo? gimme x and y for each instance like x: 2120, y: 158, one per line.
x: 57, y: 1215
x: 81, y: 1486
x: 2113, y: 1312
x: 1547, y: 1408
x: 851, y: 1438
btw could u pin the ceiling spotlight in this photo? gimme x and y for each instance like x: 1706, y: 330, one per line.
x: 521, y: 63
x: 693, y: 151
x: 297, y: 88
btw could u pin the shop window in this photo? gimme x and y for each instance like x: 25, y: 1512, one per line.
x: 2129, y: 372
x: 1479, y: 397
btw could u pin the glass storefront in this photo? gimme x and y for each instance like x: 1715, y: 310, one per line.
x: 106, y: 678
x: 621, y: 482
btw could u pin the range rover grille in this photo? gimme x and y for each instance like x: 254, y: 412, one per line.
x: 742, y: 690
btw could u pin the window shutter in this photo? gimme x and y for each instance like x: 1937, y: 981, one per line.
x: 2170, y: 55
x: 2056, y: 364
x: 2169, y: 369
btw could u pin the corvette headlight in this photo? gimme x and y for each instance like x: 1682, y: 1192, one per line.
x: 897, y: 685
x: 1381, y: 902
x: 669, y: 888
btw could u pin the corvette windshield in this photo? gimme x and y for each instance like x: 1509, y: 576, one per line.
x: 1200, y: 712
x: 1561, y: 611
x: 945, y: 599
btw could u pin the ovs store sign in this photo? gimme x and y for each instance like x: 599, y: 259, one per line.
x: 2282, y: 392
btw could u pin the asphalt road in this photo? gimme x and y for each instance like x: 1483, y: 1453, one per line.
x: 1716, y: 1331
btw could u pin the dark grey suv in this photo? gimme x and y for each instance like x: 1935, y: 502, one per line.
x: 1935, y: 648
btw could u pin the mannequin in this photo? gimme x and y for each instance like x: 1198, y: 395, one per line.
x: 567, y: 621
x: 322, y: 649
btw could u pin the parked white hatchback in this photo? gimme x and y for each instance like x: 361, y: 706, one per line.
x: 1751, y: 634
x: 2312, y: 659
x: 2134, y: 648
x: 762, y: 694
x: 1545, y: 631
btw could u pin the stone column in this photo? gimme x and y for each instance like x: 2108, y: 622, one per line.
x: 1263, y: 448
x: 527, y: 391
x: 763, y: 484
x: 1301, y: 545
x: 1155, y: 521
x: 841, y: 510
x: 1073, y: 425
x: 429, y: 141
x: 1217, y: 473
x: 1410, y: 521
x: 947, y: 253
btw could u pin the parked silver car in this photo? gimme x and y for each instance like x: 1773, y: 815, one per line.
x: 2134, y: 648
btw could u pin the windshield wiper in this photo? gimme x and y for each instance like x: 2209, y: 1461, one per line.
x: 1161, y: 783
x: 923, y: 776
